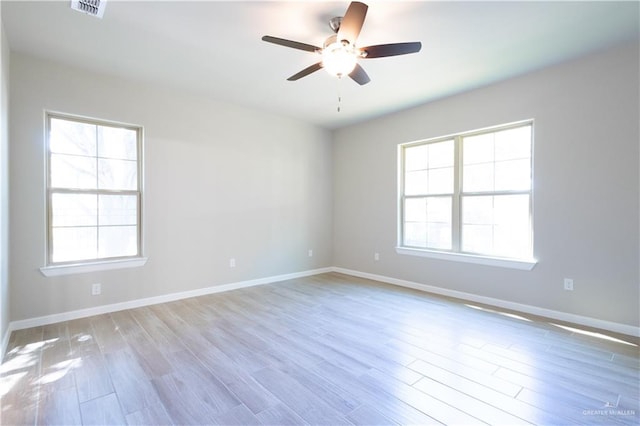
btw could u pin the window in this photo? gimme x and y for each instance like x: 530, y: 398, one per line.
x: 469, y: 194
x: 93, y: 191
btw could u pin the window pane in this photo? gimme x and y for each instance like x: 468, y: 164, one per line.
x: 477, y: 239
x: 71, y: 244
x: 512, y: 211
x: 477, y: 210
x: 415, y: 158
x: 441, y: 154
x: 70, y: 171
x: 415, y: 210
x: 508, y: 243
x: 439, y: 236
x: 118, y: 241
x: 513, y: 144
x: 118, y: 174
x: 117, y: 143
x: 439, y: 210
x: 429, y: 168
x: 439, y: 222
x: 71, y: 137
x: 415, y: 183
x: 513, y: 175
x: 497, y: 225
x: 512, y: 233
x: 118, y: 210
x: 478, y: 177
x: 428, y: 222
x: 477, y: 149
x: 440, y: 181
x: 74, y: 210
x: 415, y: 234
x: 439, y: 231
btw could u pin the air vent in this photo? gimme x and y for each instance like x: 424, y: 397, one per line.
x: 90, y: 7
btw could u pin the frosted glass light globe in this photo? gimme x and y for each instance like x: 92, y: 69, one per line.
x: 337, y: 58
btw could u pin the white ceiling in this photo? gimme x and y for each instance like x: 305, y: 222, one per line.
x: 213, y: 48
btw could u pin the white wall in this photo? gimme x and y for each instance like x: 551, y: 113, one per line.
x: 4, y: 185
x: 221, y: 181
x: 586, y: 188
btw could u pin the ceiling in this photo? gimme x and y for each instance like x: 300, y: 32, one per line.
x: 213, y: 48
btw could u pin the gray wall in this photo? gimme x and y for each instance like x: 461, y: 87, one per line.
x: 221, y: 181
x: 4, y: 183
x: 224, y: 181
x: 586, y: 188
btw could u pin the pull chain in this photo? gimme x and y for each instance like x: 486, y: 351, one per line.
x: 339, y: 95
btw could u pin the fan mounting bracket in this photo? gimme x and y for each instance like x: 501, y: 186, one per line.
x: 334, y: 23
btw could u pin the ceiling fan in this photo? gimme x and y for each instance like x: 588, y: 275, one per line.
x: 339, y: 52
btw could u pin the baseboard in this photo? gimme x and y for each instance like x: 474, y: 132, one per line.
x: 104, y: 309
x: 504, y: 304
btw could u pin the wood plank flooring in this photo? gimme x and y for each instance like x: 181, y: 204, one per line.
x: 329, y: 349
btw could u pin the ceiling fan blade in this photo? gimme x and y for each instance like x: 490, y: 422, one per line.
x: 393, y: 49
x: 352, y: 22
x: 359, y: 75
x: 291, y: 43
x: 305, y: 72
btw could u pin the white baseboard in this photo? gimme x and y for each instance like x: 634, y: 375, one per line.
x: 98, y: 310
x: 529, y: 309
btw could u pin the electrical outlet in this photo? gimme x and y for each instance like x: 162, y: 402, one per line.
x: 232, y: 263
x: 376, y: 256
x: 96, y: 289
x: 310, y: 253
x: 568, y: 284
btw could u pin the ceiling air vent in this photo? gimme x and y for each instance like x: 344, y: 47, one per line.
x: 90, y: 7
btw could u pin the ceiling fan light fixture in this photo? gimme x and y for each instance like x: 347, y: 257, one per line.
x: 339, y: 53
x: 338, y: 58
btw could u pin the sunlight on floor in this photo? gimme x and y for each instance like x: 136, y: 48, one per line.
x: 60, y: 370
x: 19, y: 362
x: 593, y: 334
x: 23, y: 359
x: 564, y: 327
x: 504, y: 314
x: 9, y: 381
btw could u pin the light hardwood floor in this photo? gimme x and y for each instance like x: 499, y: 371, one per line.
x: 329, y: 349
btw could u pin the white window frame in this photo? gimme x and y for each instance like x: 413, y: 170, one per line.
x: 455, y: 253
x: 52, y: 268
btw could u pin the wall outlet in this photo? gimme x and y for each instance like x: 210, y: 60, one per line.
x: 96, y: 289
x: 568, y: 284
x: 376, y: 256
x: 232, y: 263
x: 310, y: 253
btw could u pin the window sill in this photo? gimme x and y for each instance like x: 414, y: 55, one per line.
x: 81, y: 268
x: 522, y: 264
